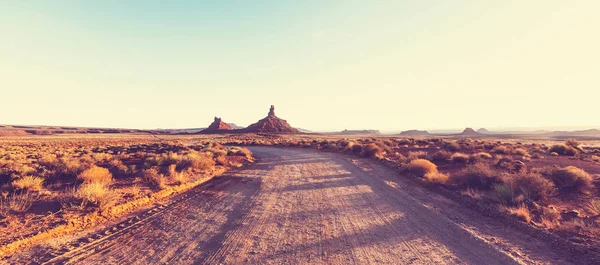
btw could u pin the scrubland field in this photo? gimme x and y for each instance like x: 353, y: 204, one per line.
x: 546, y: 183
x: 54, y: 186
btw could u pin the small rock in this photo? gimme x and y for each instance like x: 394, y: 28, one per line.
x: 568, y: 215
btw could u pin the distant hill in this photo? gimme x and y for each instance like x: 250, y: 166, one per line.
x: 359, y: 132
x: 304, y: 130
x: 469, y: 132
x: 483, y: 130
x: 582, y: 133
x: 20, y: 130
x: 415, y: 133
x: 178, y: 131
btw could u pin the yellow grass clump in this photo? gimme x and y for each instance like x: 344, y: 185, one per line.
x: 563, y: 149
x: 420, y: 167
x: 97, y: 194
x: 460, y: 158
x: 29, y: 183
x: 96, y: 174
x: 436, y: 177
x: 572, y: 179
x: 520, y: 212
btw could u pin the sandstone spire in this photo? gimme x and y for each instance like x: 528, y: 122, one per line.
x: 272, y: 111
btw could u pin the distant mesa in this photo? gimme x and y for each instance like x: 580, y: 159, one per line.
x: 414, y: 133
x: 235, y: 126
x: 360, y: 132
x: 470, y: 132
x: 270, y: 124
x: 217, y: 126
x: 581, y: 133
x: 483, y: 130
x: 304, y: 130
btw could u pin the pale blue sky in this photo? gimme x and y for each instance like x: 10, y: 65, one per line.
x: 326, y: 65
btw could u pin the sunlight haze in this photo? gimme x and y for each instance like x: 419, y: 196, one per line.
x: 325, y: 65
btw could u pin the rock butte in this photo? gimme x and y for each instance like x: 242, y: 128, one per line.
x: 271, y: 124
x: 217, y: 126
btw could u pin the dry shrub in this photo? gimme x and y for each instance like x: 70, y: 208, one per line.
x: 572, y: 179
x: 385, y: 145
x: 153, y: 161
x: 533, y: 186
x: 436, y: 177
x: 172, y: 170
x: 135, y: 190
x: 48, y: 161
x: 357, y: 148
x: 420, y: 167
x: 452, y: 146
x: 501, y: 149
x: 563, y: 149
x: 222, y: 160
x: 346, y: 146
x: 506, y: 194
x: 521, y: 151
x: 63, y: 166
x: 372, y: 150
x: 441, y: 156
x: 417, y: 155
x: 574, y: 226
x: 345, y: 143
x: 197, y: 161
x: 179, y: 178
x: 21, y: 202
x: 594, y: 206
x: 479, y: 176
x: 472, y: 193
x: 549, y: 224
x: 404, y: 141
x: 520, y: 212
x: 117, y: 167
x: 4, y: 207
x: 483, y: 155
x: 154, y: 179
x: 101, y: 157
x: 72, y: 166
x: 241, y: 152
x: 98, y: 194
x: 550, y: 217
x: 397, y: 157
x: 222, y: 152
x: 96, y: 174
x: 572, y: 143
x: 460, y: 158
x: 29, y: 183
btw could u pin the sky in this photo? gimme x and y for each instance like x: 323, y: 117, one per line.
x: 325, y: 65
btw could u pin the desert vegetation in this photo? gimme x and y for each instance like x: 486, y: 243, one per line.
x: 552, y: 186
x: 54, y: 181
x: 57, y: 181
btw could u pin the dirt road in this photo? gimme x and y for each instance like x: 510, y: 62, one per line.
x: 301, y: 206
